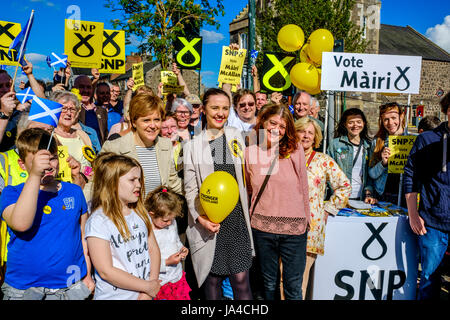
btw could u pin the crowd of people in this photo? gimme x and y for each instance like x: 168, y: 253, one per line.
x: 131, y: 226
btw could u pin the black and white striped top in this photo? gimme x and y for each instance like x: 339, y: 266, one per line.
x: 149, y: 163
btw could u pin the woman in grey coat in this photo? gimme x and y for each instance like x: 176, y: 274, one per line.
x: 225, y: 249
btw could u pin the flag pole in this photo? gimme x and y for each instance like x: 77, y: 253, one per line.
x: 50, y: 141
x: 21, y: 49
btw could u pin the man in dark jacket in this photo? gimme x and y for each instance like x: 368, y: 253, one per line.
x: 427, y: 172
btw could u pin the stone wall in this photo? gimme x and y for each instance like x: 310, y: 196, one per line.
x: 153, y: 78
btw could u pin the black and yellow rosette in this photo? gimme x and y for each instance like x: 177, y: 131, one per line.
x: 88, y: 153
x: 236, y: 150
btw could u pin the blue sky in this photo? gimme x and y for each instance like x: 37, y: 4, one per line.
x: 47, y: 35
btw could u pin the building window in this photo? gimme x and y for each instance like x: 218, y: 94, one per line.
x: 243, y: 41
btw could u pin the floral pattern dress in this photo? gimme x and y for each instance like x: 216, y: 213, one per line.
x: 323, y: 169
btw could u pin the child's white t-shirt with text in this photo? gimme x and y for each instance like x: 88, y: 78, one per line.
x: 131, y: 256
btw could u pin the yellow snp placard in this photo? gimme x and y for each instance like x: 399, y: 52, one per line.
x: 138, y: 75
x: 8, y: 32
x: 170, y: 82
x: 83, y: 43
x: 65, y: 173
x: 113, y: 52
x: 400, y: 147
x: 231, y: 65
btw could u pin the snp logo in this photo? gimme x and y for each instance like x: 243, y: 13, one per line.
x: 69, y: 203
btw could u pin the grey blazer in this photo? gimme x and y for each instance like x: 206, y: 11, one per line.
x: 198, y: 164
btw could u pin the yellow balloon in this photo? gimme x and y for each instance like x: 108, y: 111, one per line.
x: 317, y: 89
x: 304, y: 56
x: 320, y: 40
x: 290, y: 37
x: 304, y: 76
x: 219, y: 194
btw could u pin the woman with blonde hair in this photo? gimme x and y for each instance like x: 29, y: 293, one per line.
x: 120, y: 239
x: 278, y: 188
x: 322, y: 169
x: 144, y: 144
x: 391, y: 121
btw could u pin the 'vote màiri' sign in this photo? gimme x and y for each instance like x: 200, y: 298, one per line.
x: 188, y: 52
x: 113, y: 52
x: 8, y: 32
x: 400, y: 147
x: 138, y: 75
x: 275, y: 72
x: 370, y: 72
x: 231, y: 65
x: 65, y: 173
x: 83, y: 43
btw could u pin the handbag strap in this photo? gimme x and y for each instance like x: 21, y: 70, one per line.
x: 357, y: 154
x: 263, y: 186
x: 310, y: 158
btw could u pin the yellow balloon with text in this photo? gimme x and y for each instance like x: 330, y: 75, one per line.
x: 290, y: 38
x: 219, y: 194
x: 320, y: 40
x: 304, y: 76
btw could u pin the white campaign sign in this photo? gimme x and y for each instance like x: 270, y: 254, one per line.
x: 373, y: 258
x: 342, y: 71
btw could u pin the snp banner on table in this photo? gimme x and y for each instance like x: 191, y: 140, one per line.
x: 373, y: 258
x: 275, y: 72
x: 83, y: 43
x: 8, y: 32
x: 188, y: 52
x: 113, y: 52
x: 370, y: 72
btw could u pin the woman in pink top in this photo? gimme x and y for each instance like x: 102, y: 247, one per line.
x: 280, y: 218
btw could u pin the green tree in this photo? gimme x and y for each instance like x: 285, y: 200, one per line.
x: 309, y: 15
x: 157, y: 23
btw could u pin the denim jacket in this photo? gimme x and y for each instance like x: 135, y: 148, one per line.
x: 93, y: 136
x: 341, y: 150
x: 378, y: 172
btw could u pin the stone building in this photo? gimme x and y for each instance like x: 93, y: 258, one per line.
x: 383, y: 39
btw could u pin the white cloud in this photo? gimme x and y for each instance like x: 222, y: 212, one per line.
x: 439, y: 34
x: 35, y: 57
x: 211, y: 36
x: 135, y: 41
x: 207, y: 73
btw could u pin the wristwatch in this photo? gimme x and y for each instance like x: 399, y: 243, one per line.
x: 3, y: 115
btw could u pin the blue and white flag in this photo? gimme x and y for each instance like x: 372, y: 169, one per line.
x: 45, y: 111
x: 254, y: 54
x: 2, y: 67
x: 25, y: 95
x: 20, y: 42
x: 57, y: 61
x: 291, y: 109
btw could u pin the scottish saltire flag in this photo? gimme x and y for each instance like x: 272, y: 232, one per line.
x: 45, y: 111
x: 291, y: 109
x: 20, y: 42
x: 57, y: 61
x: 25, y: 95
x: 254, y: 54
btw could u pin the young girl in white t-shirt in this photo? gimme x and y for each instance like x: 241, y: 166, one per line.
x: 164, y: 206
x: 121, y: 243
